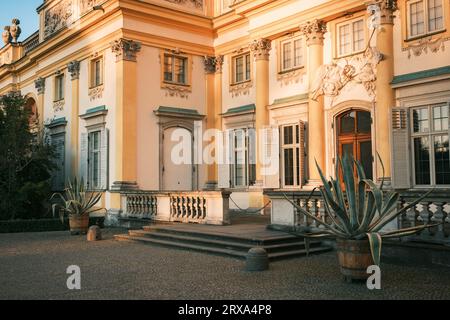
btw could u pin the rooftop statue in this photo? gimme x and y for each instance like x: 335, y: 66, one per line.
x: 12, y: 33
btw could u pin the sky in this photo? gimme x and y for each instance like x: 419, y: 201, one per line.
x: 24, y: 10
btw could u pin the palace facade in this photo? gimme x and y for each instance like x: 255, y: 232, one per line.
x: 111, y: 80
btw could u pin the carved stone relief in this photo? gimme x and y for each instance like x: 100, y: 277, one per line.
x: 197, y: 4
x: 425, y: 44
x: 58, y: 17
x: 359, y: 69
x: 241, y: 89
x: 96, y: 93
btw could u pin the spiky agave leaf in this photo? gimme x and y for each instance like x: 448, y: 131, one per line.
x: 375, y: 242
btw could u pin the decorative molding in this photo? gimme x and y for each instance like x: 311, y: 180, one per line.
x: 74, y: 69
x: 39, y: 84
x: 87, y: 5
x: 425, y: 44
x: 96, y: 92
x: 314, y: 31
x: 58, y: 105
x: 359, y: 69
x: 292, y: 76
x: 261, y: 48
x: 125, y: 49
x: 173, y: 90
x: 241, y: 88
x: 213, y: 64
x: 197, y: 4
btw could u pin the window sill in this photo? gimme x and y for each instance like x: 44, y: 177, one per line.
x: 170, y: 83
x: 96, y: 87
x: 350, y: 54
x: 291, y: 70
x: 423, y: 36
x: 240, y: 83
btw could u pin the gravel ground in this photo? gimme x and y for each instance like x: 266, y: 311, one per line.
x: 33, y: 266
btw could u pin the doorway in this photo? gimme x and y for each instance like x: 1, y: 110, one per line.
x: 354, y: 137
x: 178, y: 169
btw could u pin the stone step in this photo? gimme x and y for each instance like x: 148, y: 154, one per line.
x: 241, y: 238
x: 227, y: 244
x: 218, y: 250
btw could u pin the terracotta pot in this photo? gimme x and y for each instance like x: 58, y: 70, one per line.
x: 354, y: 258
x: 79, y: 224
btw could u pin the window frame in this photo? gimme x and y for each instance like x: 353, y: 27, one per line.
x: 430, y: 135
x: 247, y: 168
x: 426, y: 18
x: 90, y: 153
x: 350, y: 22
x: 59, y: 95
x: 296, y: 147
x: 245, y: 71
x: 291, y: 39
x: 93, y: 72
x: 173, y: 57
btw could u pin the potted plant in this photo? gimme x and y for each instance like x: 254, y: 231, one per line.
x: 356, y: 215
x: 77, y: 203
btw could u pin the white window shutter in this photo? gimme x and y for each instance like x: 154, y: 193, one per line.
x: 401, y: 166
x: 224, y: 160
x: 104, y: 159
x: 271, y: 152
x: 83, y: 174
x: 302, y: 153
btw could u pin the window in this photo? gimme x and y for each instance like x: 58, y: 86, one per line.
x: 175, y: 69
x: 291, y: 54
x: 430, y: 145
x: 351, y: 37
x: 96, y: 72
x: 425, y: 16
x: 290, y: 153
x: 94, y: 153
x: 241, y: 68
x: 243, y: 166
x: 59, y: 87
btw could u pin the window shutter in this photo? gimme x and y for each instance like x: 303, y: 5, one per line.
x: 83, y: 174
x: 104, y: 159
x: 271, y: 152
x: 302, y: 153
x: 401, y: 172
x: 225, y: 158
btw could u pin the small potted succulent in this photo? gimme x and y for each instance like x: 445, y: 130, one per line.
x: 77, y: 203
x: 355, y: 215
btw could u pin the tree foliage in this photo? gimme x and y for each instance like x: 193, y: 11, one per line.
x: 26, y: 162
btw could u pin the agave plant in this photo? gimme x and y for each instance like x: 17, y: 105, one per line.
x: 361, y: 210
x: 76, y: 200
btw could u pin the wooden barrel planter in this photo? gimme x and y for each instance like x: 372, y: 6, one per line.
x: 79, y: 224
x: 354, y: 258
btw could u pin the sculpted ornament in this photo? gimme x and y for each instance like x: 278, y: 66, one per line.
x: 425, y: 44
x: 57, y: 17
x: 6, y: 35
x: 359, y: 69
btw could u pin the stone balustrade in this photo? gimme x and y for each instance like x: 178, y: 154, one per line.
x: 433, y: 209
x: 205, y: 207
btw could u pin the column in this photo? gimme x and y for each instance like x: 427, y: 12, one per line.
x: 385, y: 98
x: 39, y: 84
x: 74, y: 69
x: 125, y: 130
x: 261, y: 50
x: 213, y: 71
x: 314, y: 31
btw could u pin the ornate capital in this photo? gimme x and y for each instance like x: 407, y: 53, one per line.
x: 74, y: 69
x: 39, y: 84
x: 313, y: 31
x: 125, y: 49
x: 213, y: 64
x: 261, y: 48
x: 383, y: 10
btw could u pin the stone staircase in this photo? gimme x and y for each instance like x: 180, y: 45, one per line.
x: 279, y: 245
